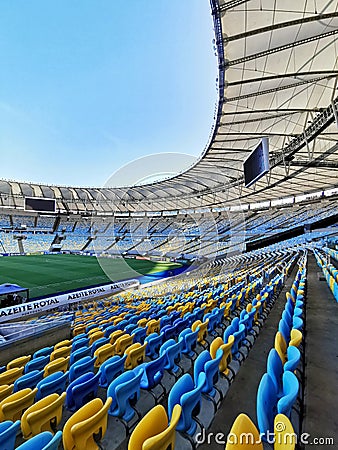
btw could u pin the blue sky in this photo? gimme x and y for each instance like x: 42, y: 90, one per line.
x: 87, y: 86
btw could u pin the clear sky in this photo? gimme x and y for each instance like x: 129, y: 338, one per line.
x: 88, y: 85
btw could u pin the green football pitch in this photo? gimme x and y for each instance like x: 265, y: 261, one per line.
x: 50, y: 274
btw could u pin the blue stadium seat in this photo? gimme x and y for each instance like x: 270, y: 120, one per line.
x: 80, y: 367
x: 29, y: 380
x: 111, y: 369
x: 124, y: 391
x: 42, y: 441
x: 37, y: 363
x: 186, y: 394
x: 54, y: 383
x: 8, y: 431
x: 82, y: 390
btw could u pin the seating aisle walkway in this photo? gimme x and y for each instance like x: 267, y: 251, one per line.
x: 241, y: 396
x: 321, y: 352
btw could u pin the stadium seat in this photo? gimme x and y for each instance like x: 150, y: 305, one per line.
x: 210, y: 367
x: 42, y: 441
x: 8, y: 432
x: 86, y: 426
x: 188, y: 339
x: 139, y: 334
x: 290, y: 392
x: 153, y: 326
x: 122, y: 343
x: 9, y: 376
x: 296, y: 338
x: 186, y: 394
x: 19, y: 362
x: 79, y: 343
x: 103, y: 353
x: 266, y: 405
x: 293, y: 359
x: 172, y: 350
x: 79, y: 353
x: 44, y: 415
x: 46, y: 351
x: 58, y: 365
x: 243, y: 427
x: 61, y: 344
x: 12, y: 407
x: 124, y: 391
x: 202, y: 328
x: 275, y: 370
x: 280, y: 346
x: 110, y: 369
x: 98, y: 344
x: 153, y: 431
x: 152, y: 372
x: 284, y: 435
x: 135, y: 355
x: 95, y: 336
x: 154, y: 342
x: 5, y: 390
x: 37, y: 363
x: 227, y: 355
x: 52, y: 384
x: 29, y: 380
x: 80, y: 367
x: 81, y: 390
x: 61, y: 352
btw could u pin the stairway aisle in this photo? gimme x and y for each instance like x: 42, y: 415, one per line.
x: 321, y: 352
x: 241, y: 396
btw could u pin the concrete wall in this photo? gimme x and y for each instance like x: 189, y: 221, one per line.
x: 29, y: 345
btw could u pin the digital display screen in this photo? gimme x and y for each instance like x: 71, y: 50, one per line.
x: 39, y: 204
x: 257, y: 163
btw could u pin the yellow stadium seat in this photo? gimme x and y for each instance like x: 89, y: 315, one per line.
x: 103, y: 353
x: 285, y: 437
x: 9, y: 376
x: 153, y: 431
x: 142, y: 322
x: 13, y: 406
x: 60, y: 364
x: 83, y: 427
x: 115, y: 335
x: 202, y: 330
x: 95, y: 336
x: 43, y: 415
x: 65, y: 343
x: 136, y: 354
x: 227, y: 356
x: 79, y: 329
x: 153, y: 326
x: 280, y: 346
x: 296, y: 337
x: 243, y: 435
x: 19, y: 362
x: 5, y: 390
x: 122, y: 343
x: 61, y: 352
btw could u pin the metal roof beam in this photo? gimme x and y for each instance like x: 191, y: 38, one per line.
x: 279, y: 88
x: 281, y: 48
x: 277, y: 26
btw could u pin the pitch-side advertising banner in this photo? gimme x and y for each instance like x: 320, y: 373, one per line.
x: 37, y: 306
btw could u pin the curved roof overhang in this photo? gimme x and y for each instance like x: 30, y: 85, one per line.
x: 277, y: 78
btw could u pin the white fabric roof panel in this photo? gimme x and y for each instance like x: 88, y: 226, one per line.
x: 277, y: 78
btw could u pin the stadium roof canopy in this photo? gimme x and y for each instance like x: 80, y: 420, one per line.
x: 277, y: 78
